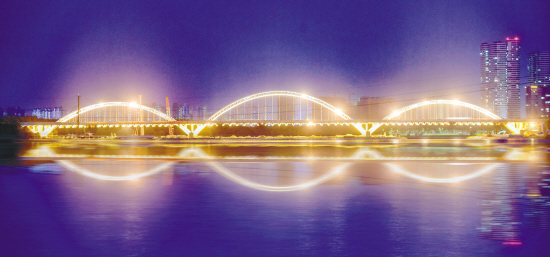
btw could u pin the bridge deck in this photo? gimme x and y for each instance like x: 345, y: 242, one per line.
x: 278, y: 122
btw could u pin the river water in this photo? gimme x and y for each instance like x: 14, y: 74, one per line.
x: 274, y: 199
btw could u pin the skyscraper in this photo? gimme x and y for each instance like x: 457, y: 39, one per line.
x: 500, y: 78
x: 537, y: 93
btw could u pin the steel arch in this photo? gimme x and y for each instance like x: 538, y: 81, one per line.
x: 451, y: 102
x: 108, y: 104
x: 279, y: 93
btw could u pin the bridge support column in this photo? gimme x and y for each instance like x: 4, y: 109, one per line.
x: 362, y: 129
x: 516, y: 127
x: 198, y: 129
x: 374, y: 127
x: 45, y: 131
x: 192, y: 129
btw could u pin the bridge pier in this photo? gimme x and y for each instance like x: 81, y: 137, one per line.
x: 364, y: 128
x: 516, y: 127
x: 192, y: 129
x: 42, y: 130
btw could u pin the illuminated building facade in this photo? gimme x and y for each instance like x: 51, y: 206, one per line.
x: 537, y: 94
x: 500, y: 78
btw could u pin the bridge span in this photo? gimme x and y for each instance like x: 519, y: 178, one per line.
x: 281, y: 108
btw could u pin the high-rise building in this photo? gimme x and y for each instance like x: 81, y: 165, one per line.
x: 537, y: 91
x: 500, y: 78
x: 203, y: 114
x: 175, y: 111
x: 184, y: 111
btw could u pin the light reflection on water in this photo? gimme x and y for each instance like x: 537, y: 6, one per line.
x: 457, y: 194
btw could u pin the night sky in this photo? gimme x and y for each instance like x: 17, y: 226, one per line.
x: 214, y: 52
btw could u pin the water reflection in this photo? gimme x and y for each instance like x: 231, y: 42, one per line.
x: 513, y: 182
x: 194, y: 153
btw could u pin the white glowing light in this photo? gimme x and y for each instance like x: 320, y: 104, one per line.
x: 278, y: 93
x: 451, y: 102
x: 108, y: 104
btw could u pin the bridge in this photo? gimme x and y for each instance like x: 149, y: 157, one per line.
x: 281, y: 108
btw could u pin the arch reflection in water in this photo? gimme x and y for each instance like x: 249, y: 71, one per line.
x: 222, y: 170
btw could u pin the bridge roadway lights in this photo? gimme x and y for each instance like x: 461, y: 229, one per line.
x: 362, y: 127
x: 514, y: 127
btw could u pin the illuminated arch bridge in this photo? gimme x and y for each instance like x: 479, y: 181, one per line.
x: 276, y: 108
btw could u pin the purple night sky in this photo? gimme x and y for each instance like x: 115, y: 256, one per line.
x: 214, y: 52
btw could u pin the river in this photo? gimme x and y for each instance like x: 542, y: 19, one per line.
x: 295, y: 198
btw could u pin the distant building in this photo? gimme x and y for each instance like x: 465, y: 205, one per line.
x: 56, y: 113
x: 185, y: 112
x: 176, y: 111
x: 500, y: 78
x: 47, y: 113
x: 37, y: 112
x: 374, y: 108
x: 537, y: 91
x: 203, y: 112
x: 196, y: 113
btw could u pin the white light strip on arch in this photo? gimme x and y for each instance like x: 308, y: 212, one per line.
x: 279, y: 93
x: 451, y: 102
x: 109, y: 104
